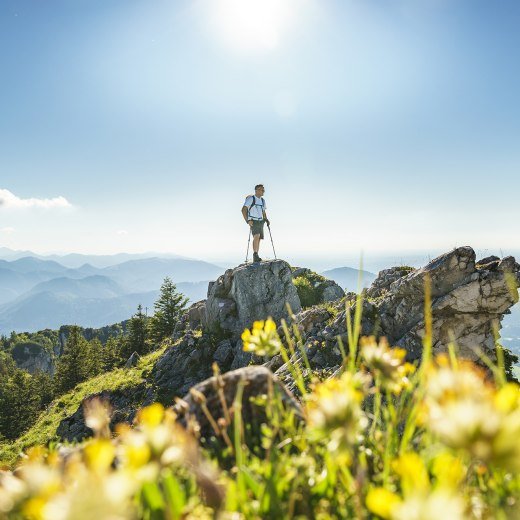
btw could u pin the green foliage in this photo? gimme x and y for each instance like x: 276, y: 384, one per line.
x: 7, y: 366
x: 20, y: 402
x: 168, y: 309
x: 43, y: 430
x: 136, y: 340
x: 112, y: 354
x: 73, y: 365
x: 309, y: 288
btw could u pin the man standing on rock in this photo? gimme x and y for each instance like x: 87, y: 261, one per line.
x: 254, y: 214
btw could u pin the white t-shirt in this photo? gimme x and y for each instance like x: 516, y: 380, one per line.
x: 255, y: 212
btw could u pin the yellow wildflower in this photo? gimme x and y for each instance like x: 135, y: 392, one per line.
x: 382, y: 502
x: 386, y: 363
x: 334, y: 408
x: 412, y: 472
x: 262, y: 339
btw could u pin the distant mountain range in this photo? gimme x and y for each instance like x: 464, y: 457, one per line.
x: 38, y: 293
x: 349, y: 278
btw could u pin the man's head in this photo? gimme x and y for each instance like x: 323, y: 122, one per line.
x: 259, y: 190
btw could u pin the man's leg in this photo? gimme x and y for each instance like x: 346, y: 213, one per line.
x: 256, y: 243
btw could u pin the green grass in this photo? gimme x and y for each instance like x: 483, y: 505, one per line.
x: 43, y: 431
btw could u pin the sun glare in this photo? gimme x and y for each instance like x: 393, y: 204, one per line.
x: 253, y: 25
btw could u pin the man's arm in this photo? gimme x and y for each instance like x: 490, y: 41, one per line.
x: 244, y: 212
x: 265, y: 217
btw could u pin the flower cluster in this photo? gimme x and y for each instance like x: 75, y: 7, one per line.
x: 334, y: 409
x: 386, y: 364
x: 262, y: 339
x: 421, y: 499
x: 467, y: 413
x: 100, y: 478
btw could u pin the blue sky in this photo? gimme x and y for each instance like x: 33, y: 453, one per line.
x: 374, y: 125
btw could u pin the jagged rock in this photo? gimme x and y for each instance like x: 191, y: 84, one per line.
x: 385, y: 278
x: 250, y: 292
x: 124, y: 403
x: 132, y: 360
x: 258, y: 381
x: 191, y: 319
x: 469, y: 300
x: 331, y: 291
x: 188, y: 362
x: 33, y: 357
x: 300, y: 271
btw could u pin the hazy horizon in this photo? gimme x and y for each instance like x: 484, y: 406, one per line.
x: 368, y: 260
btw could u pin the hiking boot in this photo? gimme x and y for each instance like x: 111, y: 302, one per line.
x: 256, y: 258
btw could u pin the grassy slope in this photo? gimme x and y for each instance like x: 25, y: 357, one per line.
x: 44, y: 430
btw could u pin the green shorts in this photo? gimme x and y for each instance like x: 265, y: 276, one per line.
x: 258, y: 228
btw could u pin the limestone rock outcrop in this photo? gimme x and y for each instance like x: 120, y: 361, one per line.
x: 33, y: 358
x: 469, y: 300
x: 250, y: 292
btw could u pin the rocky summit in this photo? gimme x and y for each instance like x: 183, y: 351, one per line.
x: 248, y: 293
x: 469, y: 300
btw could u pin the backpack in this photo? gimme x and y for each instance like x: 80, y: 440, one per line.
x: 255, y: 204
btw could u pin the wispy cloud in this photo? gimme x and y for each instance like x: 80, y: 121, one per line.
x: 122, y: 232
x: 10, y: 200
x: 7, y: 230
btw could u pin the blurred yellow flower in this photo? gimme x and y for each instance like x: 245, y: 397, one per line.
x: 99, y: 454
x: 334, y: 408
x: 431, y: 506
x: 448, y: 470
x: 467, y: 413
x: 262, y: 339
x: 412, y: 472
x: 151, y: 416
x: 382, y: 502
x: 386, y: 364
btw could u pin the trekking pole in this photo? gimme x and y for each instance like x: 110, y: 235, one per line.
x: 248, y: 241
x: 272, y: 243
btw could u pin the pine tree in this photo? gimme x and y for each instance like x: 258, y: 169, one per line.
x: 137, y: 334
x: 42, y: 386
x: 72, y: 365
x: 19, y: 404
x: 168, y: 309
x: 112, y: 353
x: 7, y: 366
x: 94, y: 357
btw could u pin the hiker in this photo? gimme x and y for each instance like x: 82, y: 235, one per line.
x: 253, y: 212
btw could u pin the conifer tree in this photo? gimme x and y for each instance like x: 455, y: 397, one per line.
x: 137, y: 334
x: 42, y: 386
x: 19, y: 404
x: 72, y: 365
x: 94, y: 357
x: 168, y: 309
x: 7, y: 366
x: 112, y: 353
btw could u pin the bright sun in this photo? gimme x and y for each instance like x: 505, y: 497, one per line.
x: 253, y: 24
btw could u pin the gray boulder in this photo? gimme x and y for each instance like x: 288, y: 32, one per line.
x: 250, y: 292
x: 219, y: 392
